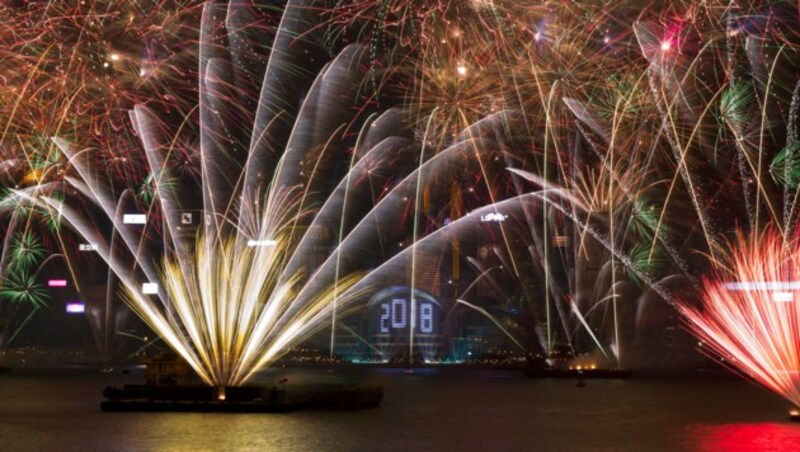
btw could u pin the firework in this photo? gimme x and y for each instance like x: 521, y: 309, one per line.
x: 672, y: 156
x: 73, y: 69
x: 750, y: 313
x: 22, y: 292
x: 281, y: 239
x: 649, y: 133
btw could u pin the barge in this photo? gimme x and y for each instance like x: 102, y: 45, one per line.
x: 245, y: 399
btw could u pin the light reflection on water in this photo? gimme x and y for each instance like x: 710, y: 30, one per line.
x: 745, y: 437
x: 431, y: 410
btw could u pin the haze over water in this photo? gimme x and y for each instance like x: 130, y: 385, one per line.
x: 431, y: 410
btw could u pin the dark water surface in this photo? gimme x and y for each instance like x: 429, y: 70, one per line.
x: 431, y: 410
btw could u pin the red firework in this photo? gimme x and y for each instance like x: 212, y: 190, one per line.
x: 750, y: 313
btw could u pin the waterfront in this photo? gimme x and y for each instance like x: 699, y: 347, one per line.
x: 431, y: 410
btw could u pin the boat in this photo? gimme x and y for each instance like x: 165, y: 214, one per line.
x: 245, y: 399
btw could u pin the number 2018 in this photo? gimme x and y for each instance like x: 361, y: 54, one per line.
x: 394, y: 315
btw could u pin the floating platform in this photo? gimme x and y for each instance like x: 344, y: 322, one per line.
x: 246, y: 399
x: 794, y: 415
x: 580, y: 373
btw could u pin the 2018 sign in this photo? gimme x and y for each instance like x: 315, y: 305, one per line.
x: 396, y: 315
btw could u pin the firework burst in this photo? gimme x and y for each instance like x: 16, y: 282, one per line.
x: 750, y: 313
x: 74, y: 69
